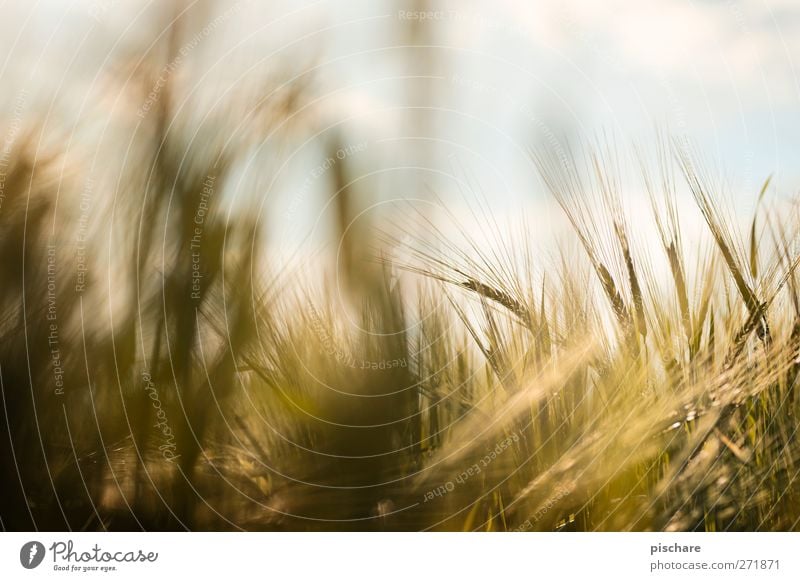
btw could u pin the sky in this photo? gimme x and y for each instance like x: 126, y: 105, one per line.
x: 453, y: 119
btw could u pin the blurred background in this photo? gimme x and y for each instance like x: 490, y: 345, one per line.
x: 422, y: 97
x: 170, y: 169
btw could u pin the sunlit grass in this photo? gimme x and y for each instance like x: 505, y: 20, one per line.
x: 196, y: 385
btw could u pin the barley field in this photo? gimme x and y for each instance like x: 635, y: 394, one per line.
x: 162, y: 368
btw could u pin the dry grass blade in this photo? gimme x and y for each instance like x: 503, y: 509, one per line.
x: 562, y: 180
x: 753, y: 241
x: 723, y: 236
x: 500, y: 297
